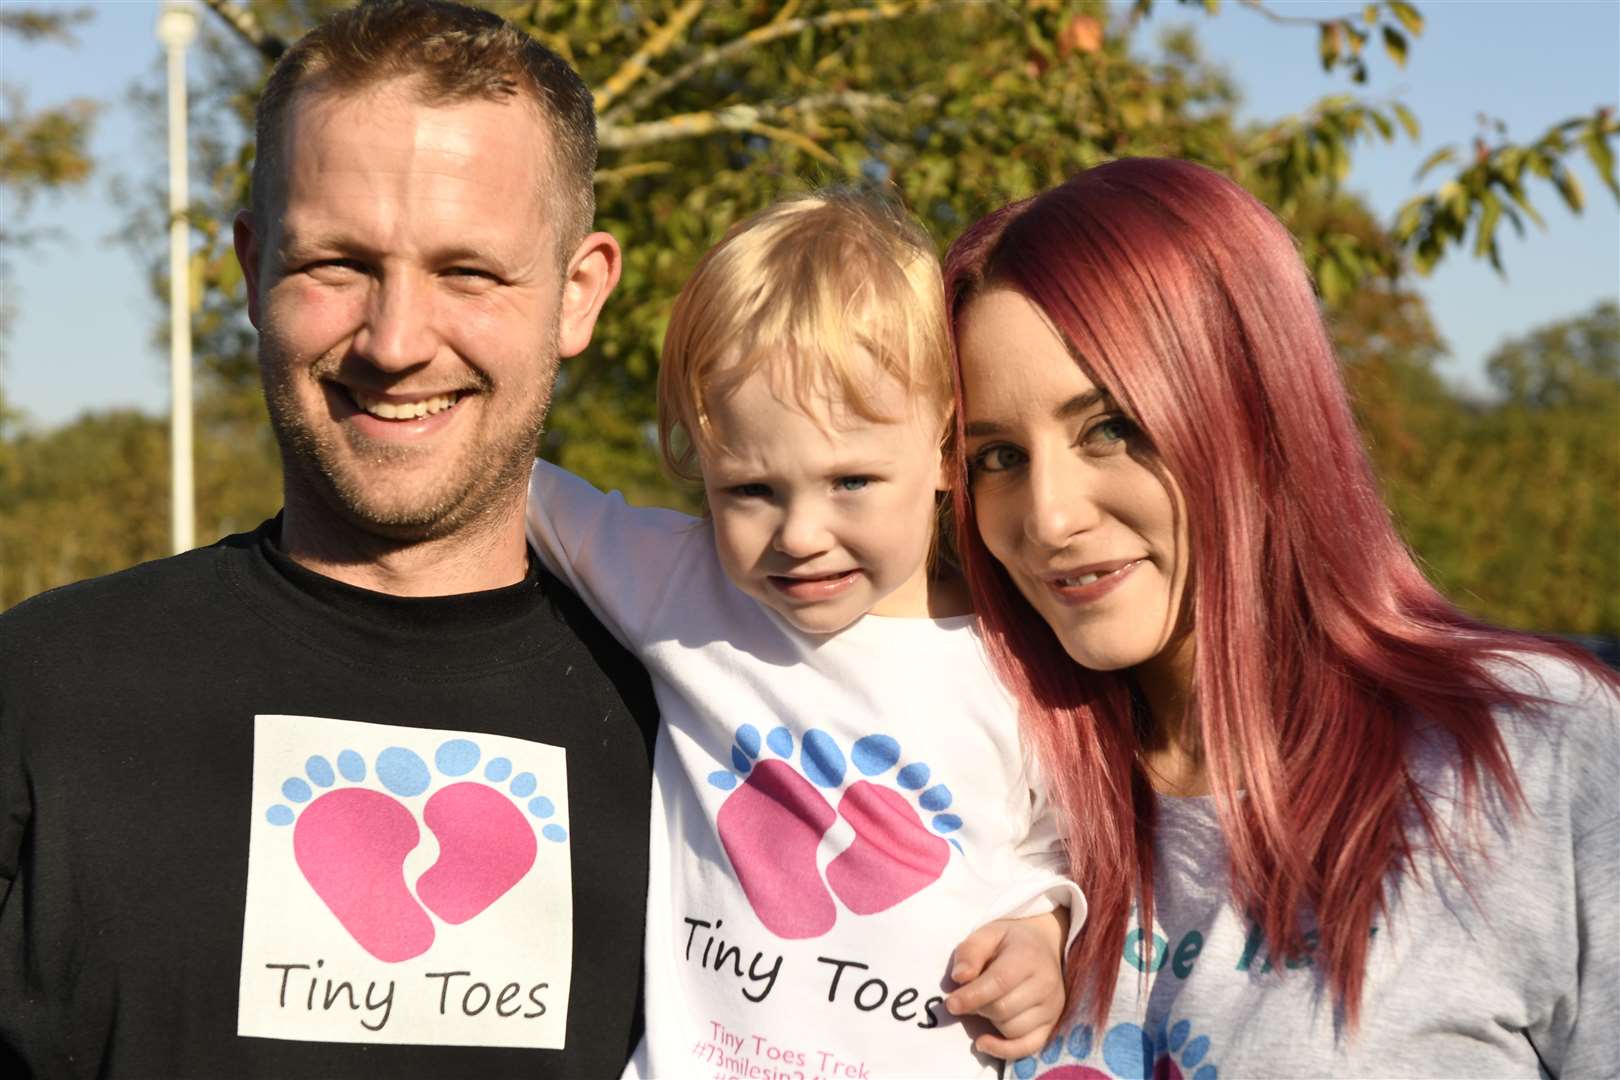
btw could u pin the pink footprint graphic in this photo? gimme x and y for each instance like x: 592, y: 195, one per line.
x: 893, y: 857
x: 485, y: 847
x: 351, y: 845
x: 770, y: 828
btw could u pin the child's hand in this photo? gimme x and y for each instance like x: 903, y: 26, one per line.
x: 1011, y: 973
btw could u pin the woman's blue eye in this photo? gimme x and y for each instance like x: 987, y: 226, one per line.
x: 997, y: 458
x: 1113, y: 429
x: 851, y: 483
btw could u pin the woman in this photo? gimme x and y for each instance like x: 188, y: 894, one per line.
x: 1327, y: 824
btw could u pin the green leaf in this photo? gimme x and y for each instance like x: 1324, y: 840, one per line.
x: 1408, y: 121
x: 1328, y: 45
x: 1409, y: 218
x: 1329, y: 279
x: 1513, y: 216
x: 1569, y: 188
x: 1426, y: 255
x: 1408, y: 15
x: 1212, y: 6
x: 1381, y: 122
x: 1455, y: 199
x: 1602, y: 158
x: 1516, y: 192
x: 1369, y: 14
x: 1439, y: 157
x: 1395, y: 44
x: 1485, y: 229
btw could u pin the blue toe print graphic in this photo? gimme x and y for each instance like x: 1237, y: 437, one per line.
x: 403, y: 772
x: 1061, y: 1058
x: 457, y: 757
x: 822, y: 761
x: 1125, y: 1052
x: 1128, y: 1052
x: 824, y: 764
x: 319, y: 770
x: 875, y: 754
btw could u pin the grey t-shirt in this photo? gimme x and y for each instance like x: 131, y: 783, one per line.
x: 1515, y: 975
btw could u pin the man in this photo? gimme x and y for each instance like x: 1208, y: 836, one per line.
x: 363, y: 792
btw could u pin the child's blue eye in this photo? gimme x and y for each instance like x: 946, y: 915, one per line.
x: 851, y: 483
x: 750, y: 491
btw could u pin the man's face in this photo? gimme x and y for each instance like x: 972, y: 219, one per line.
x: 409, y: 300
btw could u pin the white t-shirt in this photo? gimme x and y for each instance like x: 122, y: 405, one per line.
x: 1514, y: 974
x: 831, y: 814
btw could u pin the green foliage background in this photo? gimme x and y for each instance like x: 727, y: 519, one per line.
x: 710, y: 110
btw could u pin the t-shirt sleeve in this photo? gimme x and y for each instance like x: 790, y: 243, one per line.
x: 620, y: 558
x: 1043, y: 884
x: 1585, y: 1045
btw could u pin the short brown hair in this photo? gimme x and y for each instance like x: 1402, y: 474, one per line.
x: 796, y: 290
x: 454, y: 53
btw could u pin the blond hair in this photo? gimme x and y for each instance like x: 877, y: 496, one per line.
x: 815, y: 290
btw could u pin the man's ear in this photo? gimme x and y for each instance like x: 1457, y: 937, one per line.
x: 593, y: 271
x: 245, y: 236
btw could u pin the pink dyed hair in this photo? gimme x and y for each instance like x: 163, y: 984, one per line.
x: 1317, y: 639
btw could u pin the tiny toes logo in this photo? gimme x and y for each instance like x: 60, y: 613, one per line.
x: 773, y: 823
x: 406, y: 885
x: 351, y: 841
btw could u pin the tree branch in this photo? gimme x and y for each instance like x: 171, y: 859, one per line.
x: 1259, y: 8
x: 754, y: 119
x: 775, y: 29
x: 745, y: 118
x: 656, y: 45
x: 630, y: 172
x: 248, y: 28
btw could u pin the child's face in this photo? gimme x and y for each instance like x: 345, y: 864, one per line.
x: 824, y: 516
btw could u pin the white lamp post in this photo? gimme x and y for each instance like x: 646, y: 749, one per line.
x: 177, y: 28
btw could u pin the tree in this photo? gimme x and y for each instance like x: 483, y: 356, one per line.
x: 709, y: 110
x: 1572, y: 364
x: 40, y: 151
x: 96, y: 488
x: 1512, y: 504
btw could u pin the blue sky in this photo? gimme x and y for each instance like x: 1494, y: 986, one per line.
x: 86, y: 317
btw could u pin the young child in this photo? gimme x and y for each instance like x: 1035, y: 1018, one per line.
x: 840, y: 796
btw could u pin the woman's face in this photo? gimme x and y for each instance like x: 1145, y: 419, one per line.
x: 1062, y: 496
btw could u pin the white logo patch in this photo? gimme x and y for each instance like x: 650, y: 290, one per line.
x: 406, y: 885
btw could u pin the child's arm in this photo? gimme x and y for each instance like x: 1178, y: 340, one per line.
x: 1010, y: 972
x: 619, y: 558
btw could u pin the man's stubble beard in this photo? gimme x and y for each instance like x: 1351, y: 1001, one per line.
x: 321, y: 466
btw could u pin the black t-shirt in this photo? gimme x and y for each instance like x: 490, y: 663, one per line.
x: 256, y: 822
